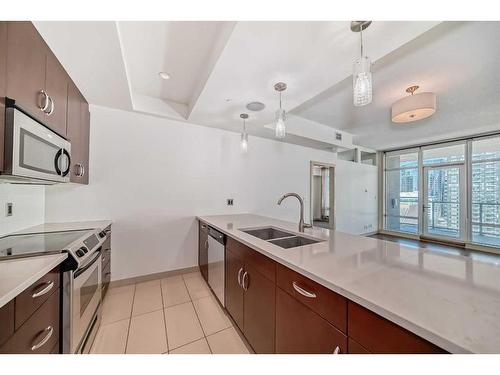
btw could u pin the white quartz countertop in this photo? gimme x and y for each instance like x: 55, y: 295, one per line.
x: 450, y: 298
x: 18, y: 274
x: 59, y: 227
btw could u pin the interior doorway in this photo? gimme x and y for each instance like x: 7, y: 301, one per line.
x: 322, y: 189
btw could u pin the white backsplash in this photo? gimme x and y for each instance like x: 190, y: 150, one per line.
x: 28, y: 203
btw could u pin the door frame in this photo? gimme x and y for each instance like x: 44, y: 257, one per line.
x: 463, y: 235
x: 312, y: 164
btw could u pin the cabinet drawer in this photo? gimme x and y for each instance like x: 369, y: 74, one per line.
x: 299, y: 330
x: 328, y: 304
x: 33, y: 297
x: 381, y: 336
x: 6, y: 321
x: 261, y: 263
x: 40, y: 333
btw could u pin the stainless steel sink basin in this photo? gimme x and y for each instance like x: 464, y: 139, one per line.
x: 295, y: 241
x: 280, y: 238
x: 268, y: 233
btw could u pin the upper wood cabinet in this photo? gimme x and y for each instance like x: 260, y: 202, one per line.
x: 3, y: 83
x: 35, y: 78
x: 78, y: 130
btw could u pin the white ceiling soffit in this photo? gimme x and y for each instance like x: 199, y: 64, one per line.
x: 187, y: 51
x: 90, y: 52
x: 456, y: 60
x: 309, y: 56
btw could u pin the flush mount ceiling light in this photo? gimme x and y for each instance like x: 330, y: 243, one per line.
x: 255, y: 106
x: 244, y: 135
x: 280, y: 129
x: 362, y: 76
x: 414, y: 107
x: 164, y: 75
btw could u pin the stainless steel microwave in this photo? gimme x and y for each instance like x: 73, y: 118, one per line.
x: 33, y: 153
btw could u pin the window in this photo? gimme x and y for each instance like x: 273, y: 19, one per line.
x: 401, y: 192
x: 486, y: 191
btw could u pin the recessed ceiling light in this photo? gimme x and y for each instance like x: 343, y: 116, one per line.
x: 256, y: 106
x: 164, y: 75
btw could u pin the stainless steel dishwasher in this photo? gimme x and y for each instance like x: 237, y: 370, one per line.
x: 216, y: 253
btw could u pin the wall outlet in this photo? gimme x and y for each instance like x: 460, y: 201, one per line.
x: 8, y: 209
x: 230, y: 202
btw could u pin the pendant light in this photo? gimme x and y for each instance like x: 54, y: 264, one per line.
x: 362, y: 76
x: 244, y: 135
x: 414, y: 107
x: 280, y: 128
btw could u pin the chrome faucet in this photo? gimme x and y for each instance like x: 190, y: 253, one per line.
x: 301, y: 201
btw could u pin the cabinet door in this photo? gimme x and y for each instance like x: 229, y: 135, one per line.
x: 85, y: 142
x: 259, y: 310
x: 74, y: 131
x: 234, y: 292
x: 26, y: 60
x: 3, y: 77
x: 56, y: 85
x: 203, y: 250
x: 299, y: 330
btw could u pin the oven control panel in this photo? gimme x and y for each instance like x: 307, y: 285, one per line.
x: 83, y: 249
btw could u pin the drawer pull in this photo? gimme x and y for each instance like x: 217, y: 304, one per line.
x: 46, y: 102
x: 107, y: 273
x: 239, y: 277
x: 337, y: 350
x: 304, y: 292
x: 46, y: 338
x: 103, y: 259
x: 45, y: 290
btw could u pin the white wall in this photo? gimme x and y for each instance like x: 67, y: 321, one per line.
x: 152, y: 176
x: 28, y: 203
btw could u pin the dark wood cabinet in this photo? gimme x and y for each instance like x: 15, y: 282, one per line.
x: 29, y: 324
x: 234, y: 268
x: 78, y: 130
x: 259, y: 310
x: 3, y: 87
x: 203, y: 250
x: 354, y: 347
x: 381, y: 336
x: 56, y: 86
x: 106, y: 263
x: 299, y: 330
x: 26, y: 63
x: 250, y: 294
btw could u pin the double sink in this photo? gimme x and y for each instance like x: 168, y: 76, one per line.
x: 281, y: 238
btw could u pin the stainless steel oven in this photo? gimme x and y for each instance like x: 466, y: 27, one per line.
x: 86, y: 298
x: 33, y: 152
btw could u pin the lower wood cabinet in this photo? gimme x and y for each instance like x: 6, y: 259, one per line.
x: 281, y: 311
x: 250, y: 295
x: 299, y: 330
x: 30, y: 323
x: 203, y: 250
x: 106, y: 263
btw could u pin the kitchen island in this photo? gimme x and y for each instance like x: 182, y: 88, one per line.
x: 451, y: 299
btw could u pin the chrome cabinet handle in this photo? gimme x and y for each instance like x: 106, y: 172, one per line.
x: 45, y: 339
x: 103, y: 259
x: 52, y: 105
x: 79, y: 170
x: 239, y: 277
x: 45, y: 290
x: 337, y: 350
x: 206, y: 244
x: 44, y: 107
x: 304, y: 292
x: 243, y: 281
x: 203, y: 226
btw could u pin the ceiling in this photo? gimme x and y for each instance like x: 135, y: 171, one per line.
x: 216, y: 68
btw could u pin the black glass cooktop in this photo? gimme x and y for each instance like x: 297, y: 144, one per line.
x: 22, y: 245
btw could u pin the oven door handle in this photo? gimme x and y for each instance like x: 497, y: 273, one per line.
x: 89, y: 264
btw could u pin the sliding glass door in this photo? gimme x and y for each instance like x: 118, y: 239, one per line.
x: 444, y: 205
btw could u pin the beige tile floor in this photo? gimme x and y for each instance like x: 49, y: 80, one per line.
x: 176, y: 315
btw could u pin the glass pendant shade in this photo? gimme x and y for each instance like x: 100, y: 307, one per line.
x: 280, y: 128
x: 362, y: 82
x: 244, y: 143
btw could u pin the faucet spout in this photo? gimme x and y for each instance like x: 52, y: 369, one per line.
x: 301, y: 202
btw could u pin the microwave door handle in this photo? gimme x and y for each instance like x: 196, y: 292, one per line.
x: 68, y: 161
x: 56, y: 162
